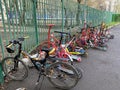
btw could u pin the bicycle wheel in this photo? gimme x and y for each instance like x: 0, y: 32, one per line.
x: 14, y: 69
x: 62, y: 75
x: 79, y: 72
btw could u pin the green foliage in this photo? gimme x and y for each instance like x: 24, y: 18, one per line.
x: 112, y: 24
x: 116, y: 17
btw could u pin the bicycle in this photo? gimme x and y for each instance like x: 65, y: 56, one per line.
x: 51, y: 39
x: 96, y: 41
x: 57, y: 72
x: 63, y: 51
x: 56, y: 46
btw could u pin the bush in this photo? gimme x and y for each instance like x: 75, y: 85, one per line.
x: 116, y: 17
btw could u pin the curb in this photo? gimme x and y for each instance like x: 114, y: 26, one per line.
x: 109, y: 27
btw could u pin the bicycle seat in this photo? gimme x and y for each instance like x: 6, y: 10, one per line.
x: 50, y: 25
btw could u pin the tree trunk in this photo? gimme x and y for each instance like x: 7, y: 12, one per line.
x: 16, y: 5
x: 66, y: 17
x: 78, y: 13
x: 23, y: 13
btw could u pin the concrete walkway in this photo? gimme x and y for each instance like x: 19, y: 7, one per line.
x: 101, y: 70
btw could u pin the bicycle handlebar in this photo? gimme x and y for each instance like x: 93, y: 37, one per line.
x: 23, y: 38
x: 12, y: 42
x: 9, y: 45
x: 61, y: 32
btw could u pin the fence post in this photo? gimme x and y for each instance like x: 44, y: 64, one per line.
x: 35, y: 20
x: 1, y: 47
x: 1, y: 72
x: 62, y: 15
x: 1, y: 75
x: 4, y: 29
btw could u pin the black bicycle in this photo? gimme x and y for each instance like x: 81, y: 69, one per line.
x: 60, y: 74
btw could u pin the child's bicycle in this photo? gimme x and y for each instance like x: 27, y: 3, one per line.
x: 95, y: 41
x: 70, y: 46
x: 51, y: 39
x: 61, y: 75
x: 56, y: 46
x: 75, y: 47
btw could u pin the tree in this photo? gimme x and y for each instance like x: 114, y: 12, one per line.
x: 22, y: 16
x: 69, y: 10
x: 98, y: 4
x: 117, y: 6
x: 78, y: 12
x: 66, y: 12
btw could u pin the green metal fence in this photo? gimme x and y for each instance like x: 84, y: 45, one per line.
x: 31, y: 17
x: 1, y: 75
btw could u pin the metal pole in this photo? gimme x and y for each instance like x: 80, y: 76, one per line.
x: 62, y: 15
x: 35, y: 20
x: 85, y: 13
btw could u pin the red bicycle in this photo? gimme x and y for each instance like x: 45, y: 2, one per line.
x: 57, y: 48
x: 52, y: 41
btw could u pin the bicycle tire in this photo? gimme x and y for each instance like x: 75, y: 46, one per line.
x: 62, y: 75
x: 10, y: 72
x: 79, y: 72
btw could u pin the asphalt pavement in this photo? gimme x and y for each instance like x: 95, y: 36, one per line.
x: 101, y: 70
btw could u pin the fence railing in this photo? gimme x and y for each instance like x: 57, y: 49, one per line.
x: 30, y: 18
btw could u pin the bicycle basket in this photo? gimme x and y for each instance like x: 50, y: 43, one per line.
x: 9, y: 50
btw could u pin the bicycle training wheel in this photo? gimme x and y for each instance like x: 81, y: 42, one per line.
x: 62, y: 75
x: 14, y: 69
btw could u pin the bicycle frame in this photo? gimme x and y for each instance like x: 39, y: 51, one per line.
x: 64, y: 50
x: 42, y: 65
x: 51, y: 36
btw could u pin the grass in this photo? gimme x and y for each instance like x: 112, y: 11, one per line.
x: 113, y: 24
